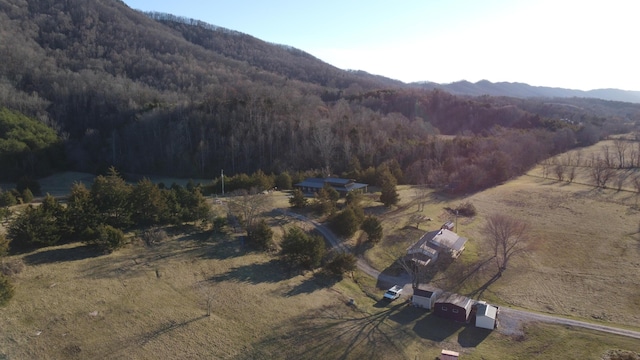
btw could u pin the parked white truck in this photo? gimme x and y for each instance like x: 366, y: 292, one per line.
x: 393, y: 293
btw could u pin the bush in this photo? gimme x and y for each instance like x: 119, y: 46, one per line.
x: 105, y: 237
x: 11, y: 267
x: 153, y: 236
x: 4, y: 245
x: 466, y: 209
x: 7, y: 199
x: 219, y: 224
x: 27, y: 196
x: 6, y: 290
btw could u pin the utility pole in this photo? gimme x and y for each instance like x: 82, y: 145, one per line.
x: 222, y: 178
x: 456, y: 221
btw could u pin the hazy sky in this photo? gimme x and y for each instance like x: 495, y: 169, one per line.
x: 561, y: 43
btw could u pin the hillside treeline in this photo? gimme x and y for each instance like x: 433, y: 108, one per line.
x: 158, y: 94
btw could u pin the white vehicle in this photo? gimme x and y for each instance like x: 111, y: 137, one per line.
x: 393, y: 293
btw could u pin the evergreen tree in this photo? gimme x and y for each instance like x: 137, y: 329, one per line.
x: 81, y: 211
x: 27, y: 196
x: 38, y: 226
x: 371, y: 225
x: 302, y: 249
x: 260, y: 236
x: 389, y: 196
x: 191, y: 205
x: 283, y: 181
x: 147, y: 203
x: 341, y: 264
x: 111, y: 196
x: 298, y: 200
x: 345, y: 222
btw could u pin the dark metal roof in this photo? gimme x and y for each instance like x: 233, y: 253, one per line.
x: 337, y: 183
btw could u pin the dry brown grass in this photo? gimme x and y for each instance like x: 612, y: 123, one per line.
x: 145, y: 303
x: 584, y: 260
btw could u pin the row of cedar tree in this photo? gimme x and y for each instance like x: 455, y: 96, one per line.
x: 100, y: 215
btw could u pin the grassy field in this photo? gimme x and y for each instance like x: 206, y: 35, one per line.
x: 141, y: 302
x: 149, y: 302
x: 584, y: 260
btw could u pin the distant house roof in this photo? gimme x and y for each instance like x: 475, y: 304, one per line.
x: 449, y: 239
x: 340, y: 184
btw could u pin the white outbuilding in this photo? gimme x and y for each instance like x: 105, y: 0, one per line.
x: 486, y: 316
x: 425, y: 296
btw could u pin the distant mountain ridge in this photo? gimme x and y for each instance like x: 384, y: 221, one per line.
x: 522, y: 90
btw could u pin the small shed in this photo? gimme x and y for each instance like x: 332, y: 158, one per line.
x: 486, y: 316
x: 425, y: 296
x: 453, y: 306
x: 449, y: 225
x: 449, y: 355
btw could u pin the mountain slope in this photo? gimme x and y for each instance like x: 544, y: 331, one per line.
x: 521, y: 90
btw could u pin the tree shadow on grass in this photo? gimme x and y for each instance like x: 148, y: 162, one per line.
x: 225, y: 248
x: 436, y: 328
x: 62, y: 255
x: 319, y: 280
x: 332, y: 333
x: 269, y: 272
x: 406, y: 314
x: 472, y: 336
x: 477, y: 293
x: 166, y: 328
x: 383, y: 303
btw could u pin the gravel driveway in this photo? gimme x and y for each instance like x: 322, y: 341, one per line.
x: 510, y: 320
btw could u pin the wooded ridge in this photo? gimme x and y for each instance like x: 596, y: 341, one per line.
x: 158, y: 94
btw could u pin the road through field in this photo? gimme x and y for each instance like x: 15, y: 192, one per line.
x: 510, y: 319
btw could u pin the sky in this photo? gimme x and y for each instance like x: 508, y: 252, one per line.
x: 571, y: 44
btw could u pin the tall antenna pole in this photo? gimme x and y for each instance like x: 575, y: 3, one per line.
x: 222, y: 177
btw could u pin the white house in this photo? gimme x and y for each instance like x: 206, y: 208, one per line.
x: 449, y: 240
x: 425, y: 296
x: 486, y: 315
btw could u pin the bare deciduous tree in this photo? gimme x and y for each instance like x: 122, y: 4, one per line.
x: 509, y: 237
x: 572, y: 173
x: 418, y: 272
x: 559, y: 171
x: 601, y: 173
x: 325, y: 142
x: 247, y: 205
x: 621, y: 146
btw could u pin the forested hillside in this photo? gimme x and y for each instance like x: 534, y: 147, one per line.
x: 157, y: 94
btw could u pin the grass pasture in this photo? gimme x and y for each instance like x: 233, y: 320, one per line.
x: 146, y: 303
x: 584, y: 260
x: 150, y: 302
